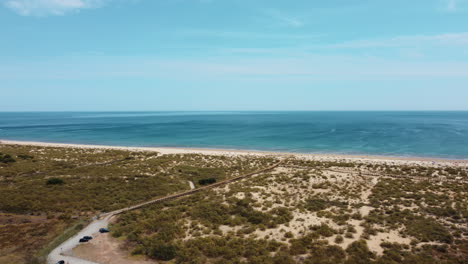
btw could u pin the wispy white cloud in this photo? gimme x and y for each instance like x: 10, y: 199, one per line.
x: 454, y: 5
x: 438, y: 46
x: 283, y: 18
x: 447, y: 39
x: 307, y: 67
x: 50, y: 7
x: 243, y: 34
x: 451, y: 5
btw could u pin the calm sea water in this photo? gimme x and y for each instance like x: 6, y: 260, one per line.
x: 423, y: 134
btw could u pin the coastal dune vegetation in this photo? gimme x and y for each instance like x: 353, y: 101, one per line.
x: 307, y: 210
x: 46, y: 191
x: 312, y: 212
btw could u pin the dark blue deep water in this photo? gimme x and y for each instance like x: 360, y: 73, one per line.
x: 422, y: 134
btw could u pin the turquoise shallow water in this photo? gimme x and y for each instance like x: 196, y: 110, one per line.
x: 422, y: 134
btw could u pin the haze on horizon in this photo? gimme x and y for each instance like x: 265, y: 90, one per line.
x: 98, y: 55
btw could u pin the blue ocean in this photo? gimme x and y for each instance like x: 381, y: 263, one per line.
x: 420, y: 134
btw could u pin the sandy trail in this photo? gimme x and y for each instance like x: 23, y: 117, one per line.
x: 192, y: 186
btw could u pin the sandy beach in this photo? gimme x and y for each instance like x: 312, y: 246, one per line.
x: 372, y: 159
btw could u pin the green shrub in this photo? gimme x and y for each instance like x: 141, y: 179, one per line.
x: 428, y: 230
x: 339, y: 239
x: 358, y: 252
x: 325, y: 254
x: 25, y: 157
x: 6, y: 158
x: 207, y: 181
x: 162, y: 251
x: 317, y: 204
x: 54, y: 181
x: 323, y: 230
x: 283, y: 258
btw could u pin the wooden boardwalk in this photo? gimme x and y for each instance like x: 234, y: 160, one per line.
x: 186, y: 193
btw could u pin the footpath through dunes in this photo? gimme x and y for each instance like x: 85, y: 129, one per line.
x: 65, y: 250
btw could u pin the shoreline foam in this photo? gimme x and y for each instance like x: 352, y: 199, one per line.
x: 229, y: 152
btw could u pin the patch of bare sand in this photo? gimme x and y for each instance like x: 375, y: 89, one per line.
x: 393, y: 237
x: 365, y: 210
x: 299, y: 226
x: 106, y: 249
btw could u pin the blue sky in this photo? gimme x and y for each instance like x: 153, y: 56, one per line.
x: 233, y: 55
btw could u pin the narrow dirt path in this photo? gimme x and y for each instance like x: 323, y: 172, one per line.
x: 192, y: 186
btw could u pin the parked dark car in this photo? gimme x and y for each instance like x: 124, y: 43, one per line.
x: 83, y: 240
x: 61, y: 262
x: 88, y: 237
x: 103, y: 230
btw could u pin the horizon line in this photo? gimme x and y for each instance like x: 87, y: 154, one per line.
x: 279, y: 110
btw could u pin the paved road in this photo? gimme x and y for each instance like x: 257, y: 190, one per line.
x: 66, y: 247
